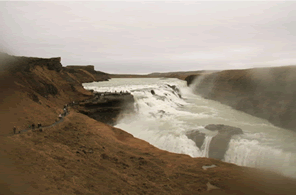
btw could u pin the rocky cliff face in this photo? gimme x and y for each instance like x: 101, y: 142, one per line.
x: 87, y: 73
x: 107, y: 107
x: 267, y: 93
x: 35, y: 89
x: 27, y: 64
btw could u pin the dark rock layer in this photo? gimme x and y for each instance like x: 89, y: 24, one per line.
x: 190, y: 79
x: 107, y: 107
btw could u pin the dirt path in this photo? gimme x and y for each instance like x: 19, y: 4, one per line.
x: 42, y: 127
x: 45, y: 127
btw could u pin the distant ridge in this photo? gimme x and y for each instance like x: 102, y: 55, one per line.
x: 180, y: 75
x: 89, y: 68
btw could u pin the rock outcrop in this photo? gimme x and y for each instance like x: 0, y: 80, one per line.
x: 27, y: 64
x: 107, y: 107
x: 175, y: 89
x: 189, y: 79
x: 268, y: 93
x: 87, y: 73
x: 197, y: 137
x: 219, y: 143
x: 38, y: 85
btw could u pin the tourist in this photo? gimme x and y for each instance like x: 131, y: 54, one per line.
x: 33, y: 126
x: 60, y: 116
x: 14, y: 129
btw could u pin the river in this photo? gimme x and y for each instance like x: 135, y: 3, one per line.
x: 163, y: 118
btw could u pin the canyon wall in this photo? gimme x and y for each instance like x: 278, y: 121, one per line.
x: 268, y: 93
x: 34, y: 90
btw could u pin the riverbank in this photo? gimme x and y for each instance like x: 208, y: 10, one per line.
x: 84, y: 156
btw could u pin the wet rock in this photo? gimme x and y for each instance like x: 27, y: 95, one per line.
x: 190, y: 79
x: 161, y: 111
x: 220, y: 142
x: 175, y: 90
x: 108, y: 108
x: 224, y: 129
x: 197, y: 137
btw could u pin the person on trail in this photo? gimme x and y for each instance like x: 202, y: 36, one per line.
x: 39, y: 127
x: 14, y: 130
x: 60, y: 116
x: 33, y: 126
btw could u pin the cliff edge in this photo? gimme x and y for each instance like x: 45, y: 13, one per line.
x: 34, y: 90
x: 268, y: 93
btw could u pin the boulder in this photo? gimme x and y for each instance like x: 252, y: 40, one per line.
x: 220, y: 142
x: 175, y: 89
x: 224, y: 129
x: 197, y: 137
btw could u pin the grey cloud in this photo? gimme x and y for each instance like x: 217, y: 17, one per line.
x: 138, y: 37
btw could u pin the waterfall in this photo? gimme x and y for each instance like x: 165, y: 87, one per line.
x: 205, y: 148
x: 164, y: 118
x: 251, y: 153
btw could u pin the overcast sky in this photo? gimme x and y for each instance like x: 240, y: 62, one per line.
x: 145, y: 37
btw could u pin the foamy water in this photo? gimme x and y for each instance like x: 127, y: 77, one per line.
x: 164, y: 118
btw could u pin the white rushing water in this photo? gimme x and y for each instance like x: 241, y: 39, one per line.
x: 164, y: 118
